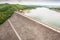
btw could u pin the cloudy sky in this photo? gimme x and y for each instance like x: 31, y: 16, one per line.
x: 41, y: 2
x: 44, y: 0
x: 36, y: 2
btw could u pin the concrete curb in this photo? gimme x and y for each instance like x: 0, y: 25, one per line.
x: 14, y: 30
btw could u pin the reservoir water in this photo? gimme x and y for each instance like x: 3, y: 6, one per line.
x: 46, y: 16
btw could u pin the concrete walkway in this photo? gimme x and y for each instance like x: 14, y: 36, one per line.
x: 28, y: 29
x: 6, y: 32
x: 19, y: 27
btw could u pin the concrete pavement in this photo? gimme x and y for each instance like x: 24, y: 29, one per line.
x: 19, y: 27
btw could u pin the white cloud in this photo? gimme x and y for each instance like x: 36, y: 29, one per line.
x: 43, y: 0
x: 39, y: 3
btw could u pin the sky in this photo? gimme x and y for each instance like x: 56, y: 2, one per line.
x: 43, y: 0
x: 36, y: 2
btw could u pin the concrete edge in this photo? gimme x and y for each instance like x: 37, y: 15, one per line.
x: 14, y: 30
x: 47, y: 26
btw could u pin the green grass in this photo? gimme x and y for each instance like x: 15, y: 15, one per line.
x: 6, y: 10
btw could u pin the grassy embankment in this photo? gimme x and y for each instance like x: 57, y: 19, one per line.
x: 6, y: 10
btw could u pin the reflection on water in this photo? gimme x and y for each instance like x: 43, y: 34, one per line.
x: 46, y: 16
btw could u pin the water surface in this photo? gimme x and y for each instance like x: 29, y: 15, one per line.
x: 46, y: 16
